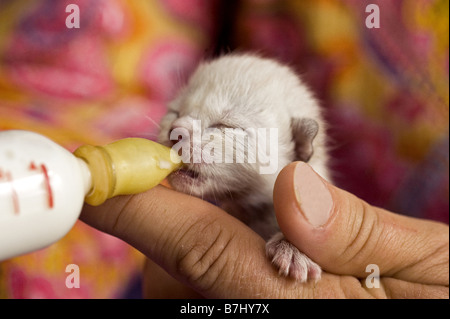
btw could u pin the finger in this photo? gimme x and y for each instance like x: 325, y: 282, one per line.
x: 195, y: 242
x: 158, y: 284
x: 344, y: 234
x: 399, y: 289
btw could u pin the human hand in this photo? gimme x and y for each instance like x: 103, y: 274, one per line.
x: 212, y: 253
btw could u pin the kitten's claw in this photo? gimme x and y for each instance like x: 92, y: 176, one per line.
x: 290, y: 261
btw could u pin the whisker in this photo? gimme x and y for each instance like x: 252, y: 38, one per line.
x: 192, y: 187
x: 227, y: 189
x: 153, y: 121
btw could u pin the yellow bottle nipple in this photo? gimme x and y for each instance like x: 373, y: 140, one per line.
x: 125, y: 167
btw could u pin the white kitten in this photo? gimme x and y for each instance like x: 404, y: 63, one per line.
x: 243, y: 92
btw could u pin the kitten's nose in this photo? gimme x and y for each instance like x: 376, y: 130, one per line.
x: 186, y: 122
x: 180, y: 127
x: 174, y: 141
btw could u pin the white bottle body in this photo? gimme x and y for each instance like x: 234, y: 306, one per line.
x: 42, y: 190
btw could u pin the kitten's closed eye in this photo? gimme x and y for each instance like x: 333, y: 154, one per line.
x: 223, y: 126
x: 219, y: 126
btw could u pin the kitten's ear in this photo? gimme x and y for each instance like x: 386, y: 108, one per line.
x: 304, y: 130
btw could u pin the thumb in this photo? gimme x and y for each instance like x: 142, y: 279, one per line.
x: 344, y: 234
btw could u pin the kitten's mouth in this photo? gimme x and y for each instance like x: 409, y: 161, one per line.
x: 187, y: 173
x: 188, y: 180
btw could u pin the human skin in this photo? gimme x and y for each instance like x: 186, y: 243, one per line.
x: 195, y: 249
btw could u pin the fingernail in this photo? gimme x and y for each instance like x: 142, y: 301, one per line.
x: 312, y: 194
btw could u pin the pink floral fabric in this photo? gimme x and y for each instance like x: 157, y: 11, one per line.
x: 384, y: 90
x: 107, y: 80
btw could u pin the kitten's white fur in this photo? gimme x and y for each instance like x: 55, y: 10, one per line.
x: 246, y: 91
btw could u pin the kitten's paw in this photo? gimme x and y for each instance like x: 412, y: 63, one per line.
x: 290, y: 261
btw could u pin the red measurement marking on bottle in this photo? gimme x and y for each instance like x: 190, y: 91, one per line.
x: 47, y: 185
x: 33, y: 167
x: 15, y: 197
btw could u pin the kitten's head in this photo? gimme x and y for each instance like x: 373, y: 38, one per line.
x: 233, y: 128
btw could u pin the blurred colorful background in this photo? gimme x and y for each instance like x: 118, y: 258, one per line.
x: 385, y: 92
